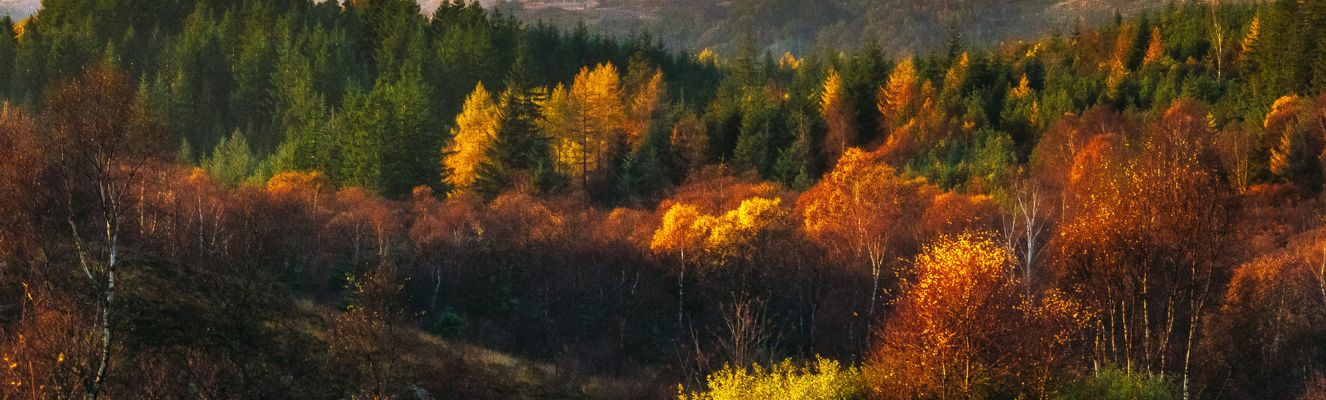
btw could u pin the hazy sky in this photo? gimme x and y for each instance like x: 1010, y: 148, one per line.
x: 24, y: 7
x: 19, y: 7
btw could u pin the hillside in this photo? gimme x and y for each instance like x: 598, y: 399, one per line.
x: 799, y: 25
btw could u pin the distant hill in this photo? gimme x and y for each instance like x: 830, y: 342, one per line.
x: 798, y: 25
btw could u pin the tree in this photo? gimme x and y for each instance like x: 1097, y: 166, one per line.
x: 367, y: 336
x: 678, y: 234
x: 690, y: 138
x: 410, y: 135
x: 23, y: 161
x: 1296, y: 155
x: 897, y: 99
x: 954, y: 324
x: 519, y: 144
x: 838, y: 117
x: 301, y: 114
x: 359, y: 138
x: 596, y: 114
x: 232, y: 160
x: 860, y: 208
x: 476, y: 126
x: 645, y: 99
x: 1155, y: 49
x: 101, y: 141
x: 1141, y: 242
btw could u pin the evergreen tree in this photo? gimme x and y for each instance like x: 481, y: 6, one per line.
x: 231, y: 161
x: 519, y: 145
x: 8, y: 51
x: 358, y: 127
x: 411, y: 136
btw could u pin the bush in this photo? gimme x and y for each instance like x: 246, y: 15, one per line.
x: 1117, y: 384
x: 823, y: 379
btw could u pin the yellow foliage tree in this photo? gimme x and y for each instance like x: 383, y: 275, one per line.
x: 837, y: 114
x: 953, y: 323
x: 857, y: 207
x: 476, y: 126
x: 594, y: 113
x: 732, y: 235
x: 1294, y: 158
x: 645, y: 101
x: 897, y: 96
x: 1251, y: 39
x: 678, y: 234
x: 721, y: 239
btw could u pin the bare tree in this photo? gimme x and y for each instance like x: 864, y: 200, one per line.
x: 100, y: 141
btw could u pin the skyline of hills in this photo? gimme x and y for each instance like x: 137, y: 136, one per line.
x: 899, y: 26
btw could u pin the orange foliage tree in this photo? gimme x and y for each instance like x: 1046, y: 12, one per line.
x: 859, y: 210
x: 953, y: 325
x: 1142, y: 240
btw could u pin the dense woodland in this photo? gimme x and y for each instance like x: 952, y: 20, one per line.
x: 284, y: 199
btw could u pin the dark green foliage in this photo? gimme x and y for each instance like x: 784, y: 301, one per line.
x: 231, y: 161
x: 411, y: 134
x: 1118, y: 384
x: 520, y: 144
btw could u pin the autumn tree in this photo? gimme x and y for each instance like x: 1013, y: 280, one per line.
x: 860, y: 208
x: 720, y: 241
x: 839, y: 117
x: 1155, y: 48
x: 1140, y: 242
x: 898, y: 97
x: 954, y: 324
x: 679, y: 234
x: 595, y: 114
x: 1296, y: 156
x: 101, y: 141
x: 476, y: 126
x: 20, y: 148
x: 644, y: 99
x: 367, y: 335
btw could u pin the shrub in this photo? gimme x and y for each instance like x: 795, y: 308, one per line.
x: 823, y: 379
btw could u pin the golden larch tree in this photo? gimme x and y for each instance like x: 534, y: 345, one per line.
x: 837, y: 113
x: 476, y: 126
x: 897, y: 96
x: 594, y: 114
x: 645, y: 101
x: 1155, y: 48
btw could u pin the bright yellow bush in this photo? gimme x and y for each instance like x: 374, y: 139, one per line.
x: 823, y: 379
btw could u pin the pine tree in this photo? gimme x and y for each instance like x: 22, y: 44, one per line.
x: 411, y: 135
x: 519, y: 145
x: 231, y: 161
x: 359, y: 141
x: 8, y: 51
x: 301, y: 114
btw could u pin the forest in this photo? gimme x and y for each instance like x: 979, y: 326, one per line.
x: 295, y: 199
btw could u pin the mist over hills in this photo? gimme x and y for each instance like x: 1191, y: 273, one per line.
x: 799, y: 25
